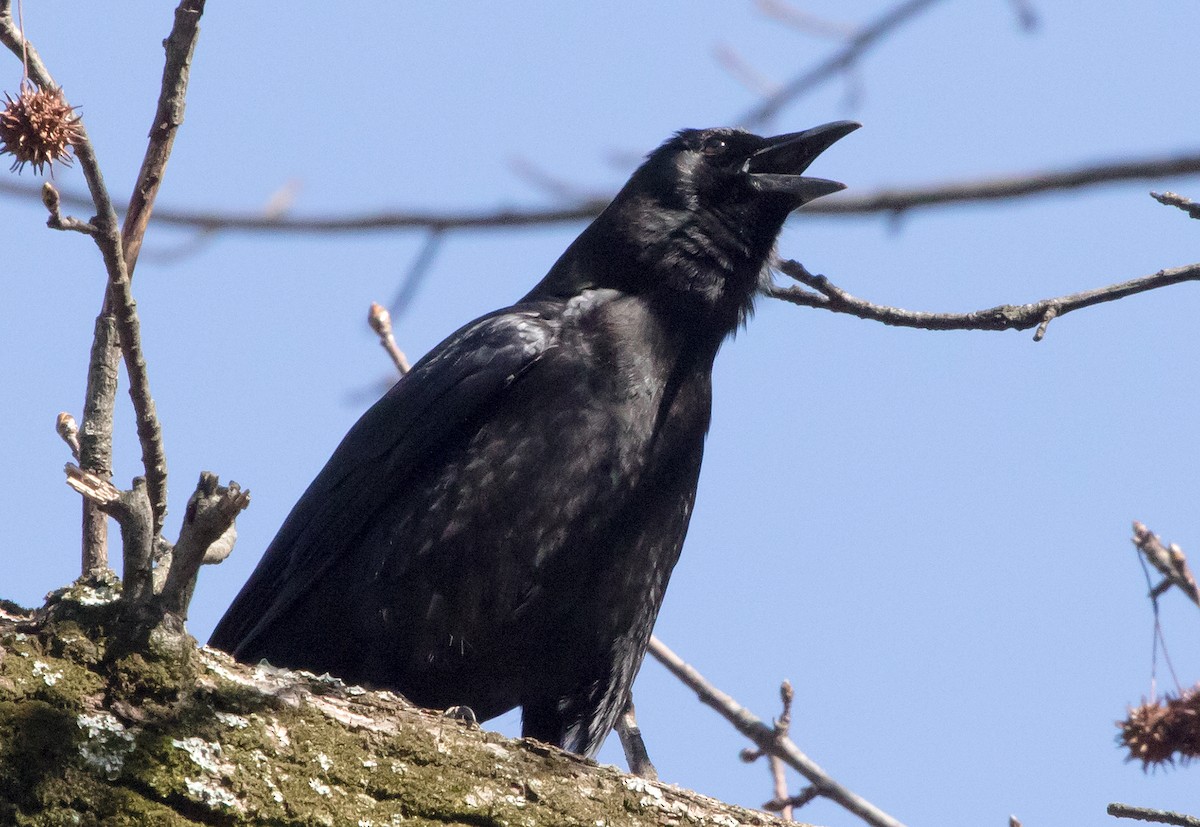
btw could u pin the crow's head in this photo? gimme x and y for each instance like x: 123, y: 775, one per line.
x: 732, y: 171
x: 695, y: 224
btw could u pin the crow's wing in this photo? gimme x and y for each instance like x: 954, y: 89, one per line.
x: 467, y: 373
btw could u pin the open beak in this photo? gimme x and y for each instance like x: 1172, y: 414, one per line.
x: 778, y: 166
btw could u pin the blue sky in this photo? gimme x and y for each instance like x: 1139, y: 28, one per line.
x: 925, y: 532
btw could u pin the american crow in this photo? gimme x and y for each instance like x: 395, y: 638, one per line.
x: 498, y: 530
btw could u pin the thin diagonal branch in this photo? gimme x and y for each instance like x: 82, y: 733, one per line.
x: 839, y: 61
x: 768, y: 739
x: 828, y: 296
x: 417, y: 271
x: 180, y: 45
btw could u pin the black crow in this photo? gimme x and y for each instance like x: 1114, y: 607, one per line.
x: 498, y: 530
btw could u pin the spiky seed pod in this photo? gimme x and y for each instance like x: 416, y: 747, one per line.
x: 1156, y: 733
x: 38, y: 127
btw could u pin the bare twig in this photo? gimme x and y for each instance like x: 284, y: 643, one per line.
x: 180, y: 45
x: 1146, y: 814
x: 381, y: 322
x: 57, y: 221
x: 844, y: 58
x: 767, y: 739
x: 209, y: 518
x: 630, y: 734
x: 1170, y: 562
x: 829, y: 296
x: 1172, y: 199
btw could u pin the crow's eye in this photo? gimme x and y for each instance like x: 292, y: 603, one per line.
x: 713, y: 145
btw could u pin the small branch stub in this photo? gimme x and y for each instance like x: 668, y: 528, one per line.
x: 207, y: 537
x: 1051, y: 313
x: 208, y: 520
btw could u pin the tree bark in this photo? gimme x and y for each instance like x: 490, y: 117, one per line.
x: 93, y: 731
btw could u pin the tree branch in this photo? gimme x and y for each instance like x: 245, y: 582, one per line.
x: 118, y: 323
x: 1002, y: 317
x: 1172, y: 199
x: 96, y: 433
x: 1006, y: 187
x: 180, y: 45
x: 768, y: 739
x: 887, y: 201
x: 1119, y: 810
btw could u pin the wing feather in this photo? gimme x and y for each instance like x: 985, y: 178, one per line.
x: 373, y: 464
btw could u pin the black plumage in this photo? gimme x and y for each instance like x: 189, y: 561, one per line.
x: 498, y: 530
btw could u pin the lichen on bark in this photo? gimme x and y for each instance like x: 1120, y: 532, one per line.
x: 95, y: 730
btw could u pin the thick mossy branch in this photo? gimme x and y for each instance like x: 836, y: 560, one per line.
x: 93, y: 732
